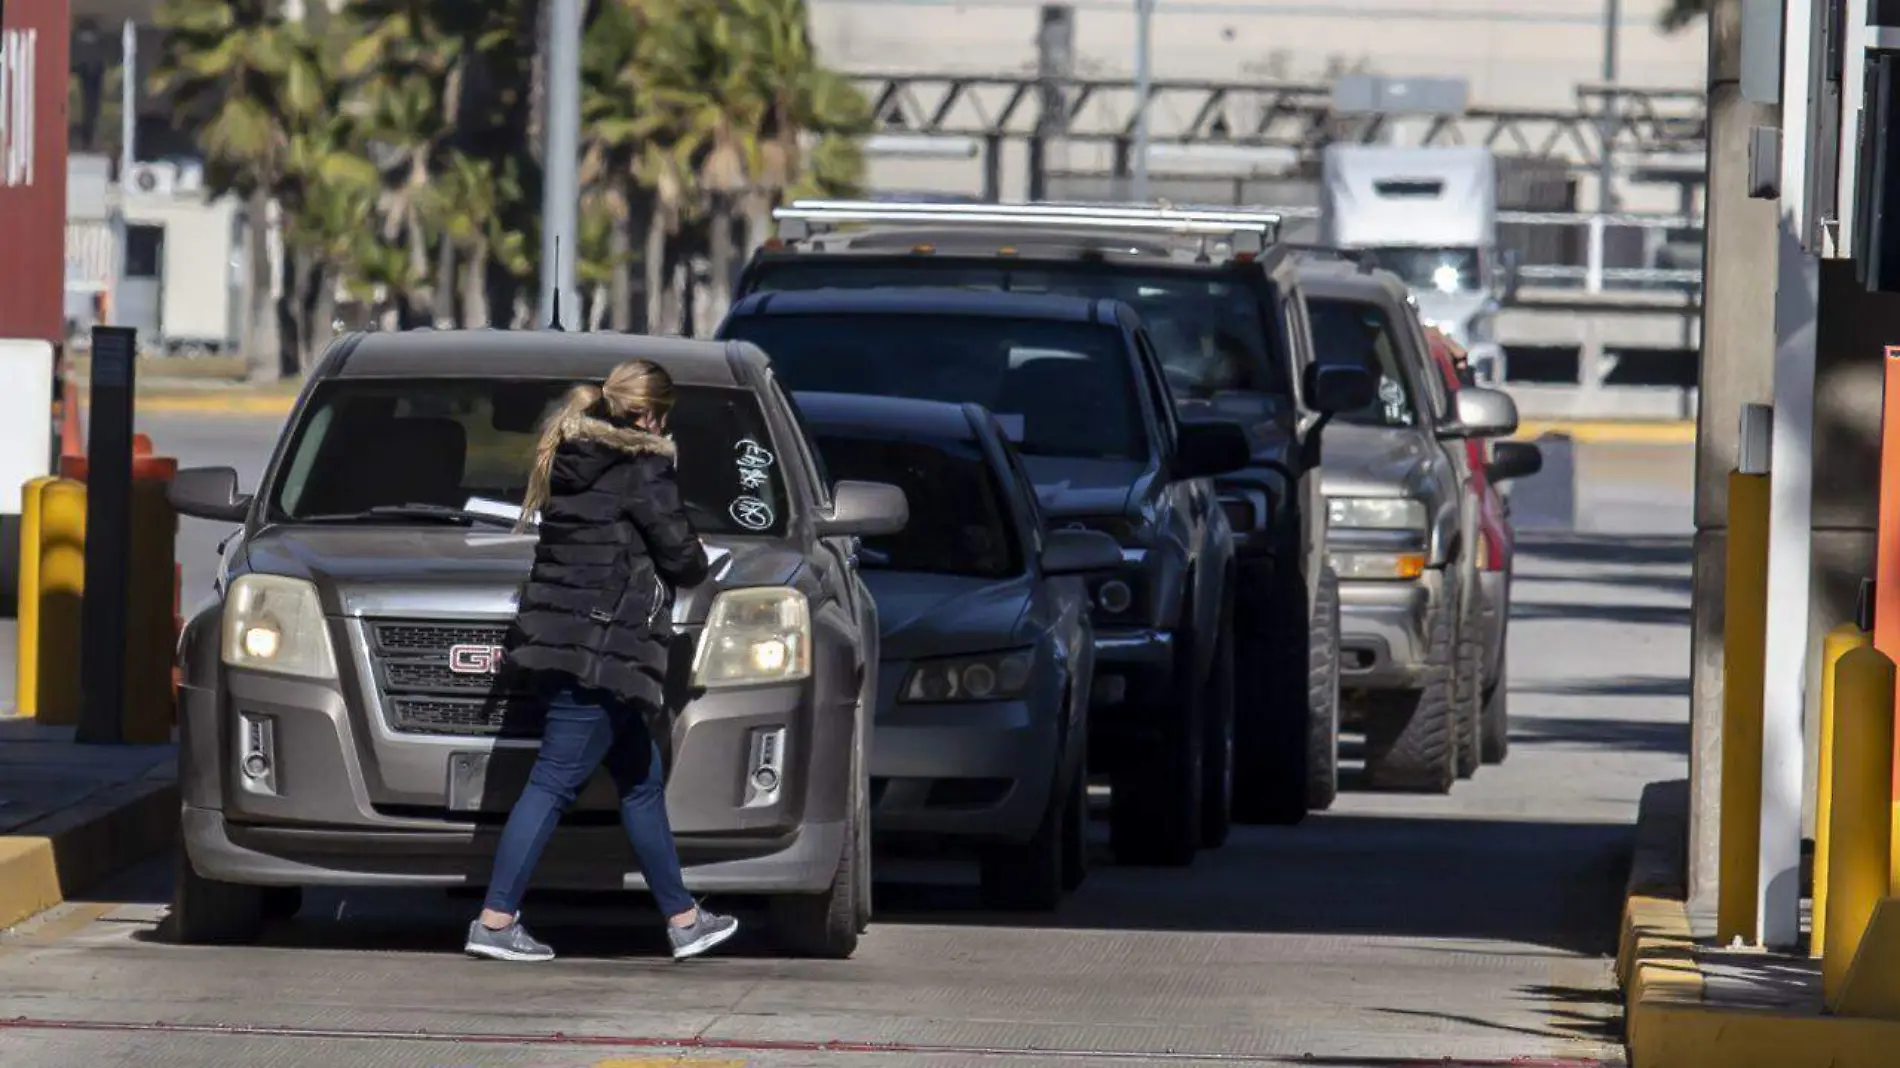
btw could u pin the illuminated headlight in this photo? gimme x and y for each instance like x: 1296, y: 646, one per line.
x: 1374, y: 566
x: 991, y: 677
x: 1375, y: 513
x: 754, y: 636
x: 273, y: 623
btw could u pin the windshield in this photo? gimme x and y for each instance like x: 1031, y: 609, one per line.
x: 1066, y: 386
x: 1351, y: 330
x: 1443, y: 270
x: 459, y: 443
x: 959, y: 520
x: 1208, y: 326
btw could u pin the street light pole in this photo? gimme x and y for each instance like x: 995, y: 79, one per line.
x: 1144, y: 16
x: 561, y: 193
x: 1606, y: 174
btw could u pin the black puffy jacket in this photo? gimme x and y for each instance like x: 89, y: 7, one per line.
x: 613, y: 521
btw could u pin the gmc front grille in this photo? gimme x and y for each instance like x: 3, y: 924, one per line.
x: 421, y: 694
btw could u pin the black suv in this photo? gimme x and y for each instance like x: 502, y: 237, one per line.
x: 1222, y: 305
x: 1076, y: 383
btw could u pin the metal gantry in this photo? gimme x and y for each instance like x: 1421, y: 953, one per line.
x: 1647, y: 122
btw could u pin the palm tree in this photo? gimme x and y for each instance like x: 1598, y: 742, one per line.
x: 246, y: 79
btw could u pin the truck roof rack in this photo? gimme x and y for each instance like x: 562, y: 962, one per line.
x: 1365, y: 261
x: 1244, y: 231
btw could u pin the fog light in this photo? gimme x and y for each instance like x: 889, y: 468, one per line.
x: 765, y: 780
x: 256, y: 766
x: 257, y: 753
x: 1114, y: 596
x: 765, y: 767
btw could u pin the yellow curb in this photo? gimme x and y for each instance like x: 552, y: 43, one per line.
x: 215, y: 405
x: 63, y: 854
x: 1610, y: 431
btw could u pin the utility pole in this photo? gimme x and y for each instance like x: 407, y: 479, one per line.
x: 1144, y: 76
x: 128, y: 133
x: 1606, y: 166
x: 560, y: 173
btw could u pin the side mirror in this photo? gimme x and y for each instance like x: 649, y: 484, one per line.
x: 208, y: 493
x: 1483, y: 413
x: 865, y: 510
x: 1334, y: 387
x: 1072, y: 552
x: 1513, y: 459
x: 1210, y: 447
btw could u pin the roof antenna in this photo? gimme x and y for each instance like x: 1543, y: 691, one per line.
x: 554, y: 320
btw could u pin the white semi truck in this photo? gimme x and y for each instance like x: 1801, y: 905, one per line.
x: 1428, y: 215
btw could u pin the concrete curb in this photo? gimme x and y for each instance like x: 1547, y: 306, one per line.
x: 48, y: 861
x: 1667, y: 1021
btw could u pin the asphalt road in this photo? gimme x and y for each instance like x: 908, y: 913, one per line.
x: 1468, y: 929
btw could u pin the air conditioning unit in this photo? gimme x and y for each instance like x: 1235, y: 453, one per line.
x: 153, y: 179
x: 191, y: 177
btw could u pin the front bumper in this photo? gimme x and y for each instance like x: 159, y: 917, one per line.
x: 1134, y: 683
x: 980, y: 770
x: 1385, y: 629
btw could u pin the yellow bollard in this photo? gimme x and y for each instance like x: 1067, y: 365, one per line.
x: 26, y: 636
x: 1860, y: 825
x: 1839, y: 641
x: 62, y: 584
x: 1744, y: 641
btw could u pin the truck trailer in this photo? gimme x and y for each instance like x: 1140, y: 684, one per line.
x: 35, y: 57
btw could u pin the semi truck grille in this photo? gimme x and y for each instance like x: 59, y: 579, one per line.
x: 439, y: 678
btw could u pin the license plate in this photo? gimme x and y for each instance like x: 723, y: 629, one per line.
x: 468, y: 779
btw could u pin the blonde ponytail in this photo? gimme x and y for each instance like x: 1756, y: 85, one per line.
x: 580, y: 400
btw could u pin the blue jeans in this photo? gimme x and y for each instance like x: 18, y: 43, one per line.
x: 584, y: 729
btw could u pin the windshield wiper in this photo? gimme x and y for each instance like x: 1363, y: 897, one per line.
x: 436, y: 512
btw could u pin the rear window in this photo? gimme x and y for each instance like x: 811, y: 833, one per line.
x: 1068, y: 387
x: 368, y: 443
x: 1355, y: 331
x: 1209, y: 326
x: 959, y: 517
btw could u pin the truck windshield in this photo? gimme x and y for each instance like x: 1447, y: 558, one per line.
x: 464, y: 443
x: 959, y: 519
x: 1069, y: 385
x: 1355, y: 331
x: 1207, y: 324
x: 1445, y: 270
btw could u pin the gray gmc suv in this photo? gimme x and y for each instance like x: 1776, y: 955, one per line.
x: 342, y: 719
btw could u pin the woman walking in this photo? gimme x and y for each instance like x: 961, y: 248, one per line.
x: 614, y: 537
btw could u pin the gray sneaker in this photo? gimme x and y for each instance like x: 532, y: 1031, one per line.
x: 707, y: 930
x: 512, y: 942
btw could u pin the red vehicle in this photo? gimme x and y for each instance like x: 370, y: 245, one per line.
x: 1487, y: 464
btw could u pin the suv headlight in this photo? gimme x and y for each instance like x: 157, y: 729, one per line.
x: 1362, y: 566
x: 273, y: 623
x: 753, y: 636
x: 1375, y: 513
x: 991, y: 677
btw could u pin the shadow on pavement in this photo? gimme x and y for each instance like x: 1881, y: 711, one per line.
x: 1662, y: 615
x: 1617, y: 686
x: 1620, y: 735
x: 1608, y: 549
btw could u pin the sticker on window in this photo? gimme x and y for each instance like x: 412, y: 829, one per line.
x: 753, y: 464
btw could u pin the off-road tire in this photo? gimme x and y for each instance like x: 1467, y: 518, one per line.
x: 826, y: 924
x: 1468, y: 696
x: 1495, y: 722
x: 1155, y: 798
x: 1279, y: 706
x: 1218, y: 761
x: 1075, y: 832
x: 1027, y: 877
x: 206, y: 912
x: 1322, y: 736
x: 1412, y: 736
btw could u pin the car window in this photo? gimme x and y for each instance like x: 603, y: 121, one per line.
x: 1353, y: 330
x: 368, y: 443
x: 814, y: 464
x: 960, y: 523
x: 1208, y: 324
x: 1067, y: 384
x: 1026, y: 498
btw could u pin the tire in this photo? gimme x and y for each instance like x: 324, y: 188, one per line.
x: 1322, y: 736
x: 1468, y: 696
x: 206, y: 912
x: 1155, y: 803
x: 1028, y: 877
x: 827, y: 924
x: 1075, y: 833
x: 1217, y: 768
x: 1412, y: 737
x: 1279, y: 706
x: 1494, y: 735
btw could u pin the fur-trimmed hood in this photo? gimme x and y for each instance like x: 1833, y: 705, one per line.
x: 633, y: 442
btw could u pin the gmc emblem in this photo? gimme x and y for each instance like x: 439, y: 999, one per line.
x: 475, y: 659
